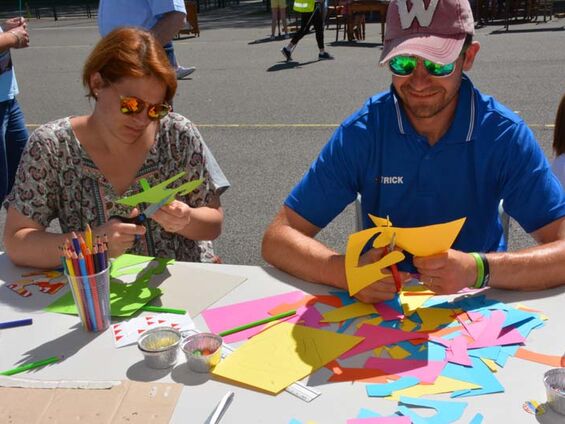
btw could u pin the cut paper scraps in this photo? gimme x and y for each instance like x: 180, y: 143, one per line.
x: 419, y: 241
x: 380, y: 420
x: 381, y: 390
x: 447, y: 411
x: 158, y: 192
x: 126, y: 265
x: 283, y: 354
x: 47, y: 282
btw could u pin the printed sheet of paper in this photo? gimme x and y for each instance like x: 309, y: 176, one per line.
x: 283, y: 354
x: 419, y: 241
x: 127, y: 332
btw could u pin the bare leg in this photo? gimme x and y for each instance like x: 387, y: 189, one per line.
x: 283, y: 19
x: 273, y: 21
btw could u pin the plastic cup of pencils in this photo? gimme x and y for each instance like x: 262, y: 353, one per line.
x: 91, y: 294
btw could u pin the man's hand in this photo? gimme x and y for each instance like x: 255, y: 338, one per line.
x: 174, y: 216
x: 447, y: 272
x: 120, y: 234
x: 11, y: 23
x: 21, y: 37
x: 381, y: 290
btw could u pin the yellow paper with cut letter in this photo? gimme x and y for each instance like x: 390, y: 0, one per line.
x: 419, y: 241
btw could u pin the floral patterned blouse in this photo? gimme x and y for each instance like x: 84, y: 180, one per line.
x: 57, y: 179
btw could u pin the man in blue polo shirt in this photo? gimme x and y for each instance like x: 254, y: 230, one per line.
x: 430, y: 150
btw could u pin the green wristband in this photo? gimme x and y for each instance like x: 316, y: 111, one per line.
x: 480, y: 270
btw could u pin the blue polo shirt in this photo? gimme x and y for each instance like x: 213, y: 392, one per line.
x: 488, y: 154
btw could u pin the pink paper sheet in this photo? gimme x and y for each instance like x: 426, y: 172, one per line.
x: 376, y: 336
x: 456, y: 351
x: 425, y: 371
x: 226, y: 317
x: 491, y: 334
x: 387, y: 313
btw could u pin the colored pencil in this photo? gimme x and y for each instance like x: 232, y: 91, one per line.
x: 87, y: 293
x: 31, y: 366
x: 163, y: 309
x: 75, y: 242
x: 94, y: 289
x: 76, y: 289
x: 17, y: 323
x: 256, y: 323
x: 88, y: 237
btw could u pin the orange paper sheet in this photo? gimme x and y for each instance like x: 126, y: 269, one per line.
x: 541, y: 358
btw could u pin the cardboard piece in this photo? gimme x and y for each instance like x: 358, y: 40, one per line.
x: 129, y: 401
x: 194, y: 293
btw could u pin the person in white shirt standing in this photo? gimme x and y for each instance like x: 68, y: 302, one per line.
x: 162, y: 17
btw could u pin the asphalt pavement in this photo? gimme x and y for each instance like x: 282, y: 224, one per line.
x: 265, y: 120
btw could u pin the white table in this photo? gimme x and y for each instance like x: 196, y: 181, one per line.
x: 93, y: 357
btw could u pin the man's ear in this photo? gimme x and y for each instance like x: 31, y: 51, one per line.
x: 470, y: 55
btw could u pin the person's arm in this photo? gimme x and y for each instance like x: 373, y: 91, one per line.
x: 28, y: 244
x: 16, y: 38
x: 535, y: 268
x: 168, y: 26
x: 202, y: 223
x: 289, y: 245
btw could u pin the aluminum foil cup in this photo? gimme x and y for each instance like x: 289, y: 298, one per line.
x: 160, y: 347
x: 554, y: 381
x: 203, y: 351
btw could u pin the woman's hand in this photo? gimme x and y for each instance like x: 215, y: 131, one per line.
x: 121, y: 236
x: 174, y: 216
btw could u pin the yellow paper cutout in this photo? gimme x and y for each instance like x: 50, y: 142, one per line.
x: 410, y: 302
x: 353, y: 310
x: 378, y: 351
x: 419, y: 241
x: 160, y: 191
x: 407, y: 325
x: 432, y: 318
x: 372, y: 321
x: 490, y: 364
x: 397, y: 352
x: 276, y: 358
x: 423, y: 241
x: 441, y: 385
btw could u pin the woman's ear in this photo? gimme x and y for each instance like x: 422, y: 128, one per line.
x: 96, y: 83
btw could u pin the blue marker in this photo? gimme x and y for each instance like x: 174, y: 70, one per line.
x: 17, y: 323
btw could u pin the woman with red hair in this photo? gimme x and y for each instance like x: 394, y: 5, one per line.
x: 76, y: 168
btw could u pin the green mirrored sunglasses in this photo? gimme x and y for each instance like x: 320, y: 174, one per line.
x: 405, y: 65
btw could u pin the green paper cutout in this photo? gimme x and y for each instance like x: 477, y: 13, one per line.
x: 124, y: 300
x: 128, y: 271
x: 144, y: 184
x: 160, y: 191
x: 121, y: 263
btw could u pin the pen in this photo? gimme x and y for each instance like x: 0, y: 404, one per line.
x: 31, y: 366
x: 163, y: 309
x: 17, y: 323
x: 220, y: 408
x: 393, y: 267
x: 256, y: 323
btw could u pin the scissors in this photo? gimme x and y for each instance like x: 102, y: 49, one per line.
x: 144, y: 216
x: 393, y: 267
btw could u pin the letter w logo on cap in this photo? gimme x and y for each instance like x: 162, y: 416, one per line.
x: 418, y: 11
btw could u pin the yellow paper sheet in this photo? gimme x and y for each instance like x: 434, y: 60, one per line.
x: 278, y: 357
x: 353, y: 310
x: 441, y: 385
x: 432, y: 318
x: 420, y: 241
x: 423, y: 241
x: 378, y: 351
x: 407, y: 325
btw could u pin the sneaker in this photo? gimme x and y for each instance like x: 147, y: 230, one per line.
x: 286, y: 53
x: 183, y: 72
x: 325, y: 55
x: 286, y: 36
x: 272, y: 37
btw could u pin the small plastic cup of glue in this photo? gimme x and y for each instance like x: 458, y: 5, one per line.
x: 160, y: 347
x: 203, y: 351
x: 554, y: 381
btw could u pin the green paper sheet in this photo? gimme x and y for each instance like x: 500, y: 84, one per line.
x: 124, y: 300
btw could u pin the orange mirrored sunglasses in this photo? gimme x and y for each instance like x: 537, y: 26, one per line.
x: 132, y: 105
